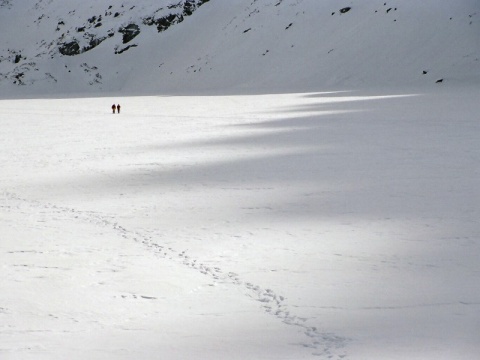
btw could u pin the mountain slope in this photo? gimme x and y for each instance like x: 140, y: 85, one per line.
x: 242, y: 46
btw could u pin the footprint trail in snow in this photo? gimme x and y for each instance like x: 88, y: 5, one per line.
x: 322, y: 343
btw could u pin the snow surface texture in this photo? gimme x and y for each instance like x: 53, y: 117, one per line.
x: 335, y: 222
x: 262, y: 227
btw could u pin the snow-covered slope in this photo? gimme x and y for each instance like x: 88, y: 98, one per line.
x: 59, y: 46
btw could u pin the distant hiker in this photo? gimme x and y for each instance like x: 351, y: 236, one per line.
x: 114, y: 108
x: 118, y: 108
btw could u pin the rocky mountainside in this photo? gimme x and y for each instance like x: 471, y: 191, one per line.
x: 66, y: 30
x: 59, y: 46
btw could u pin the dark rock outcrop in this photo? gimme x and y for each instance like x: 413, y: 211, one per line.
x: 69, y: 49
x: 165, y: 22
x: 119, y: 51
x: 129, y: 32
x: 94, y: 42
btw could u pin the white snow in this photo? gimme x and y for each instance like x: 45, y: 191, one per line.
x: 232, y: 227
x: 327, y: 210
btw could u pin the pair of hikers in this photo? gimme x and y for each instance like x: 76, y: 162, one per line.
x: 116, y: 107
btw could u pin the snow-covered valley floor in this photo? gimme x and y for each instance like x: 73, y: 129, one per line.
x: 288, y: 226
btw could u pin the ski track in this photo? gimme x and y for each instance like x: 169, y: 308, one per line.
x: 323, y: 344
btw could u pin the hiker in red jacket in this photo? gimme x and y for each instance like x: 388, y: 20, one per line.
x: 113, y: 108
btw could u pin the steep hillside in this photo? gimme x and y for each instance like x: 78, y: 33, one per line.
x: 59, y: 46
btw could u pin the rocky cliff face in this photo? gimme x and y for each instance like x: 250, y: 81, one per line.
x: 92, y: 32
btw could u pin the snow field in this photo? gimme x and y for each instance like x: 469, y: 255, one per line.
x: 288, y: 226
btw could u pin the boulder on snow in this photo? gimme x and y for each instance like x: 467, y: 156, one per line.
x: 69, y: 49
x: 94, y: 42
x: 129, y: 32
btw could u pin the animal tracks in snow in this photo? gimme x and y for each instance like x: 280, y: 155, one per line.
x: 321, y: 343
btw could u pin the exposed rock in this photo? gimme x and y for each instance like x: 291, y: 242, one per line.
x: 119, y: 51
x: 94, y: 42
x: 345, y: 9
x: 129, y: 32
x: 19, y: 78
x: 165, y: 22
x: 70, y: 48
x: 188, y: 8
